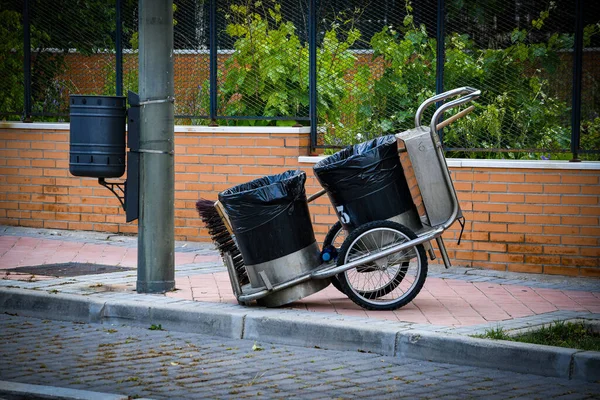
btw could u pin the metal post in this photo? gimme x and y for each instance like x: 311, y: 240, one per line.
x: 213, y: 65
x: 26, y: 62
x: 577, y: 74
x: 119, y: 50
x: 440, y: 54
x: 156, y: 245
x: 312, y: 72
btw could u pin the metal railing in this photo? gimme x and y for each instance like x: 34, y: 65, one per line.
x: 349, y: 70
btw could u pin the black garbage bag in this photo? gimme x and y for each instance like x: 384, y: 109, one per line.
x: 365, y: 182
x: 269, y: 216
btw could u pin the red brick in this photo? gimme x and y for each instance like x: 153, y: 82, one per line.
x: 506, y: 198
x: 524, y: 188
x: 590, y: 231
x: 470, y: 255
x: 509, y: 258
x: 524, y: 228
x: 507, y: 237
x: 489, y: 187
x: 580, y: 179
x: 526, y: 268
x: 580, y: 261
x: 553, y: 270
x: 507, y: 177
x: 562, y: 189
x: 543, y: 219
x: 491, y: 207
x: 489, y: 265
x: 561, y: 250
x: 595, y: 189
x: 489, y: 227
x: 524, y: 208
x: 561, y: 210
x: 591, y: 272
x: 578, y: 221
x: 588, y: 200
x: 524, y: 248
x: 507, y: 218
x: 590, y: 210
x: 542, y: 199
x: 561, y: 230
x: 543, y: 239
x: 542, y: 178
x: 541, y: 259
x: 580, y: 241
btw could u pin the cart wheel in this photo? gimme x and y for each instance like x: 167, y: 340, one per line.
x: 390, y: 282
x: 335, y: 237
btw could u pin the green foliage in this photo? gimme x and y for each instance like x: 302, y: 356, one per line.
x: 574, y: 335
x: 267, y: 75
x: 11, y: 54
x: 494, y: 333
x: 154, y: 327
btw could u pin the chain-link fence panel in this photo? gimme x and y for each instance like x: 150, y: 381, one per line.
x: 376, y: 63
x: 590, y: 81
x: 262, y: 61
x: 191, y: 61
x: 11, y: 60
x: 72, y: 52
x: 520, y: 54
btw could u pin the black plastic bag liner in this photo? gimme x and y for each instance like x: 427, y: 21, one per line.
x: 365, y: 182
x: 269, y: 216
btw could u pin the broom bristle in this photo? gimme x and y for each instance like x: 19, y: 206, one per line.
x: 221, y: 237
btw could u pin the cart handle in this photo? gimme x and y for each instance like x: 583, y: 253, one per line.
x: 446, y: 106
x: 471, y: 93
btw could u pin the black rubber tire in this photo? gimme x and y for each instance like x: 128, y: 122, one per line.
x: 335, y: 280
x: 329, y: 240
x: 367, y: 299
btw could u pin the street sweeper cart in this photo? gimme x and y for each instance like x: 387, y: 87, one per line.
x: 393, y: 196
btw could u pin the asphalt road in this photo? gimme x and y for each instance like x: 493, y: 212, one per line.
x: 144, y: 362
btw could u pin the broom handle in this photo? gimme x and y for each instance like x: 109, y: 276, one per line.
x: 453, y: 118
x: 224, y: 216
x: 316, y: 195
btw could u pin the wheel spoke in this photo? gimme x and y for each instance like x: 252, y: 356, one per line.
x: 391, y: 281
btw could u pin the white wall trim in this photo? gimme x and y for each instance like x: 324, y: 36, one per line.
x: 57, y: 126
x: 511, y: 164
x: 64, y: 126
x: 240, y: 129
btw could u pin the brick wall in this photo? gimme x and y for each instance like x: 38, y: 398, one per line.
x: 540, y: 217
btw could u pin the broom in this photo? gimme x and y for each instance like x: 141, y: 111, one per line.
x: 222, y: 237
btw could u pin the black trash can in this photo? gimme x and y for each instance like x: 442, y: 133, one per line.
x: 97, y: 136
x: 365, y: 182
x: 274, y: 233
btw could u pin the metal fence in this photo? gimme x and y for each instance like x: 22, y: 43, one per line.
x: 351, y: 69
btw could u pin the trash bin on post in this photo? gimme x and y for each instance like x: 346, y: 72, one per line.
x: 365, y: 182
x: 97, y: 136
x: 273, y: 230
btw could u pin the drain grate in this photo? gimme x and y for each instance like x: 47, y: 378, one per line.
x: 69, y: 269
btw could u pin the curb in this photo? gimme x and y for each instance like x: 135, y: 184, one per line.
x: 306, y: 329
x: 29, y: 391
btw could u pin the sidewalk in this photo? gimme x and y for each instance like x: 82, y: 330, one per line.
x: 458, y: 301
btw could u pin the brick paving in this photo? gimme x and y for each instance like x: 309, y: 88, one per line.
x: 140, y: 362
x: 448, y: 300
